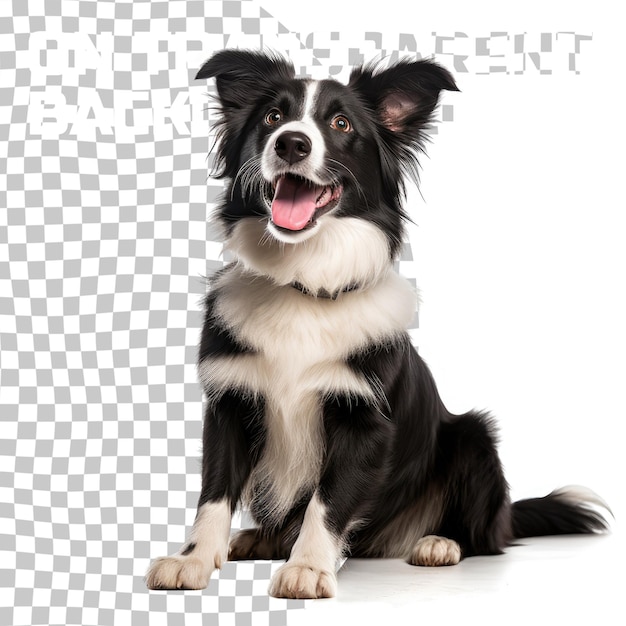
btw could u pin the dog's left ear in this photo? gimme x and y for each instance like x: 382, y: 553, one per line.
x: 241, y: 74
x: 405, y: 95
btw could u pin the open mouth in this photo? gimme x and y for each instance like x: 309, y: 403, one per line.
x: 297, y: 203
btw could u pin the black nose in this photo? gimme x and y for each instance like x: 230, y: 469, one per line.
x: 292, y: 146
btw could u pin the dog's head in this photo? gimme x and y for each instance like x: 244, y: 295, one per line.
x: 302, y: 154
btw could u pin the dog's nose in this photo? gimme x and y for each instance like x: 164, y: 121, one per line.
x: 292, y: 146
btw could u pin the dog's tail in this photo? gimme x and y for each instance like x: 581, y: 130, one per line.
x: 564, y: 511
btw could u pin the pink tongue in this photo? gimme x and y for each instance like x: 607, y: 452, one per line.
x: 294, y: 203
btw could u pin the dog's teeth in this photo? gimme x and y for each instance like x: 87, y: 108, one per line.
x: 323, y: 197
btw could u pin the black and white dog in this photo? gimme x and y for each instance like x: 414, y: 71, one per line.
x: 321, y: 417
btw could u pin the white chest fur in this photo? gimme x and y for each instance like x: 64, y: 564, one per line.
x: 300, y: 342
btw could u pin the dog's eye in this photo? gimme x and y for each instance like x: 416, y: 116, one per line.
x: 342, y: 123
x: 273, y: 117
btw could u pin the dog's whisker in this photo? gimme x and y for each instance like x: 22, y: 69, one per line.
x: 248, y: 176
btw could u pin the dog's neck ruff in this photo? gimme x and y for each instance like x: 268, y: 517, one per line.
x: 324, y: 293
x: 345, y: 255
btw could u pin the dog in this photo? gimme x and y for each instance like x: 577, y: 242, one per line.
x: 321, y: 417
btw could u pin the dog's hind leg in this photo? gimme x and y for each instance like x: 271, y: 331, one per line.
x: 253, y: 543
x: 476, y: 513
x: 268, y: 543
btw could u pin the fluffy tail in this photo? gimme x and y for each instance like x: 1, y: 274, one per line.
x: 564, y: 511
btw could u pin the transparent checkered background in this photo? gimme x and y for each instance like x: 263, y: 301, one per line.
x: 104, y: 245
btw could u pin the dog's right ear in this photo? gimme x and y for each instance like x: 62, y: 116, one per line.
x: 241, y: 74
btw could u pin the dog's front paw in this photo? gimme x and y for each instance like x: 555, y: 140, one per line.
x: 301, y: 581
x: 178, y: 572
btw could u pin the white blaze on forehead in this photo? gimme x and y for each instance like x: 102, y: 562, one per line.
x: 310, y: 100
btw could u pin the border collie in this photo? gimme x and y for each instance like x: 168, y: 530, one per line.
x: 321, y: 417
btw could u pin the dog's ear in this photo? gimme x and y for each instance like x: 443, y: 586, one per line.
x: 404, y: 95
x: 403, y: 98
x: 241, y: 74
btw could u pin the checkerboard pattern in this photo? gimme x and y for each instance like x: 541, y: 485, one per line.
x: 104, y: 246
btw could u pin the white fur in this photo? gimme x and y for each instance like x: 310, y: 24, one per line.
x: 257, y: 374
x: 210, y: 533
x: 309, y: 103
x: 287, y: 326
x: 582, y: 496
x: 344, y: 251
x: 310, y: 570
x: 295, y: 236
